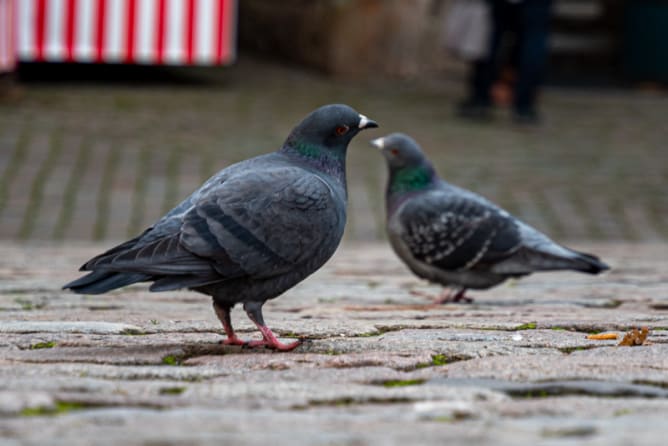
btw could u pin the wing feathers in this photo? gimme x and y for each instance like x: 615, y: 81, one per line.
x: 257, y: 225
x: 457, y: 233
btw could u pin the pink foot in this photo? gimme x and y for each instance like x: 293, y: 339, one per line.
x: 458, y: 297
x: 445, y: 297
x: 269, y: 340
x: 276, y: 345
x: 233, y: 341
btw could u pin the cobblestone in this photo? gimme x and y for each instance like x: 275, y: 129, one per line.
x: 379, y: 365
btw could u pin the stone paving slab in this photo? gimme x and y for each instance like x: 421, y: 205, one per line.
x: 380, y: 364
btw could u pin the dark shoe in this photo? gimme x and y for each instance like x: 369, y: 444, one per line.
x: 474, y: 110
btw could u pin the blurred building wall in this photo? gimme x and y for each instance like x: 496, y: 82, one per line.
x: 350, y: 38
x: 402, y: 38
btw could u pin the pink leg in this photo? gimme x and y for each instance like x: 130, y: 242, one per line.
x: 223, y: 314
x: 254, y: 312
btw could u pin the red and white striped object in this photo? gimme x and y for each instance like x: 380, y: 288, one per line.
x: 7, y: 41
x: 174, y: 32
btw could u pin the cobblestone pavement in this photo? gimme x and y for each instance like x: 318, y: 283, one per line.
x: 98, y: 162
x: 380, y: 365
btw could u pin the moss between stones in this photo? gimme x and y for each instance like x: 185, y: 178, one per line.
x: 343, y: 402
x: 569, y: 350
x: 439, y: 360
x: 59, y: 408
x: 367, y: 334
x: 403, y: 382
x: 172, y: 390
x: 377, y: 332
x: 41, y: 345
x: 536, y: 394
x: 132, y: 332
x: 191, y: 351
x: 436, y: 360
x: 527, y: 326
x: 28, y: 305
x: 332, y: 352
x: 171, y: 360
x: 349, y: 401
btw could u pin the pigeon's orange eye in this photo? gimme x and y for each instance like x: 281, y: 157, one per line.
x: 342, y: 130
x: 395, y: 151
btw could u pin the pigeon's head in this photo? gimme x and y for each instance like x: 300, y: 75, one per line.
x: 400, y: 150
x: 327, y: 131
x: 409, y: 168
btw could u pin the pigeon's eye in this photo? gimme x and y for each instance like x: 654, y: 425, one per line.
x: 342, y: 130
x: 394, y: 151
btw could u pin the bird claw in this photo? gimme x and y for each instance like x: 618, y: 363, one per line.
x: 274, y: 344
x: 445, y: 297
x: 449, y: 300
x: 234, y: 341
x: 457, y: 297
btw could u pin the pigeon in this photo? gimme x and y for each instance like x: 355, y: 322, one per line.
x: 252, y: 231
x: 459, y: 239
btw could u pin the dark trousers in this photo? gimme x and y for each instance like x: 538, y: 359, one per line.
x: 528, y: 23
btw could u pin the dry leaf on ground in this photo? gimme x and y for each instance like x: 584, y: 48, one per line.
x: 634, y: 337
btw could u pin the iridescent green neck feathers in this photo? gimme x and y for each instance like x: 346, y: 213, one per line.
x: 409, y: 179
x: 314, y: 152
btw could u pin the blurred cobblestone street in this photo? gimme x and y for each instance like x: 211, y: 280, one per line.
x: 98, y: 162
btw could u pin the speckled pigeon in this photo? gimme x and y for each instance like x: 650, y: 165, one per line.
x: 457, y: 238
x: 251, y: 232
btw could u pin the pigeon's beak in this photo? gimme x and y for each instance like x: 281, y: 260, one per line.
x: 378, y: 143
x: 366, y: 123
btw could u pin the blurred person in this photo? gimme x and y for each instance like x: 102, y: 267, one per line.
x: 528, y: 22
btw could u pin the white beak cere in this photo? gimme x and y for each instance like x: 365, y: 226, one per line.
x: 363, y: 121
x: 378, y: 143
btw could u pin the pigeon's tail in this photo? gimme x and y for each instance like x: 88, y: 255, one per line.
x: 539, y: 253
x: 587, y: 263
x: 98, y: 282
x: 555, y: 257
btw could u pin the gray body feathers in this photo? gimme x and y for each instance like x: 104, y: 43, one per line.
x: 249, y: 233
x: 457, y: 238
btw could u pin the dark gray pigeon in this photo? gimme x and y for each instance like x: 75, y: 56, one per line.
x: 457, y: 238
x: 251, y: 232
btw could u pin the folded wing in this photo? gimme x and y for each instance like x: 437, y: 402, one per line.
x: 254, y: 225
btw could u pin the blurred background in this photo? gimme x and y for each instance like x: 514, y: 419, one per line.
x: 112, y: 111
